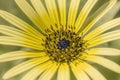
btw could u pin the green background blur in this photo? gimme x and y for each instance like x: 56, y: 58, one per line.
x: 10, y: 6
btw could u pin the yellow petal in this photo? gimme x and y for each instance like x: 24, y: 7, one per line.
x: 105, y: 63
x: 31, y: 14
x: 63, y: 72
x: 40, y: 9
x: 49, y: 73
x: 35, y: 72
x: 20, y: 24
x: 15, y: 55
x: 110, y: 36
x: 62, y: 10
x: 93, y: 73
x: 73, y: 10
x: 52, y: 10
x: 21, y: 42
x: 100, y: 15
x: 84, y: 13
x: 24, y: 67
x: 78, y: 72
x: 7, y: 30
x: 104, y: 51
x: 100, y: 29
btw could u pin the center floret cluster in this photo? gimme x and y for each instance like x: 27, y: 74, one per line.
x: 64, y: 45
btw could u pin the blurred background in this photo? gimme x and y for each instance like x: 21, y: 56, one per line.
x: 10, y: 6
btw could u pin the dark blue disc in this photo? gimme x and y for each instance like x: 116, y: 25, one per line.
x: 63, y: 44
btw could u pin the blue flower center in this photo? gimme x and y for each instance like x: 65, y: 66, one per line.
x: 63, y: 44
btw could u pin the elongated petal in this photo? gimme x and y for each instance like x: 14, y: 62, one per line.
x: 104, y: 51
x: 48, y: 74
x: 15, y: 55
x: 110, y: 36
x: 30, y: 13
x: 84, y: 13
x: 101, y: 14
x: 105, y: 63
x: 24, y: 67
x: 108, y: 16
x: 73, y: 10
x: 35, y: 72
x: 20, y: 42
x: 62, y: 10
x: 19, y: 23
x: 93, y: 73
x: 78, y: 72
x: 7, y: 30
x: 63, y: 72
x: 40, y: 9
x: 100, y: 29
x: 52, y: 10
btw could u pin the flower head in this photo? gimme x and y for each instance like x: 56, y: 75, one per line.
x: 59, y: 40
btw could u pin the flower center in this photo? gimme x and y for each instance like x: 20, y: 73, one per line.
x: 63, y: 45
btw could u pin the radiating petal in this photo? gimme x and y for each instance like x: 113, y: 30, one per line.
x: 20, y: 24
x: 22, y: 42
x: 62, y: 10
x: 107, y: 17
x: 73, y: 10
x: 24, y: 67
x: 93, y: 73
x: 63, y: 72
x: 52, y: 10
x: 40, y: 9
x: 10, y: 31
x: 100, y: 15
x: 105, y: 63
x: 30, y: 13
x: 84, y: 13
x: 78, y: 72
x: 104, y: 51
x: 110, y: 36
x: 100, y: 29
x: 48, y: 74
x: 35, y: 72
x: 15, y: 55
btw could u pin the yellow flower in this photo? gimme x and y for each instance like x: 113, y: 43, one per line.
x: 57, y: 42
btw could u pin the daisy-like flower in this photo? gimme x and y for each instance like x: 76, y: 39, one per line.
x: 57, y: 42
